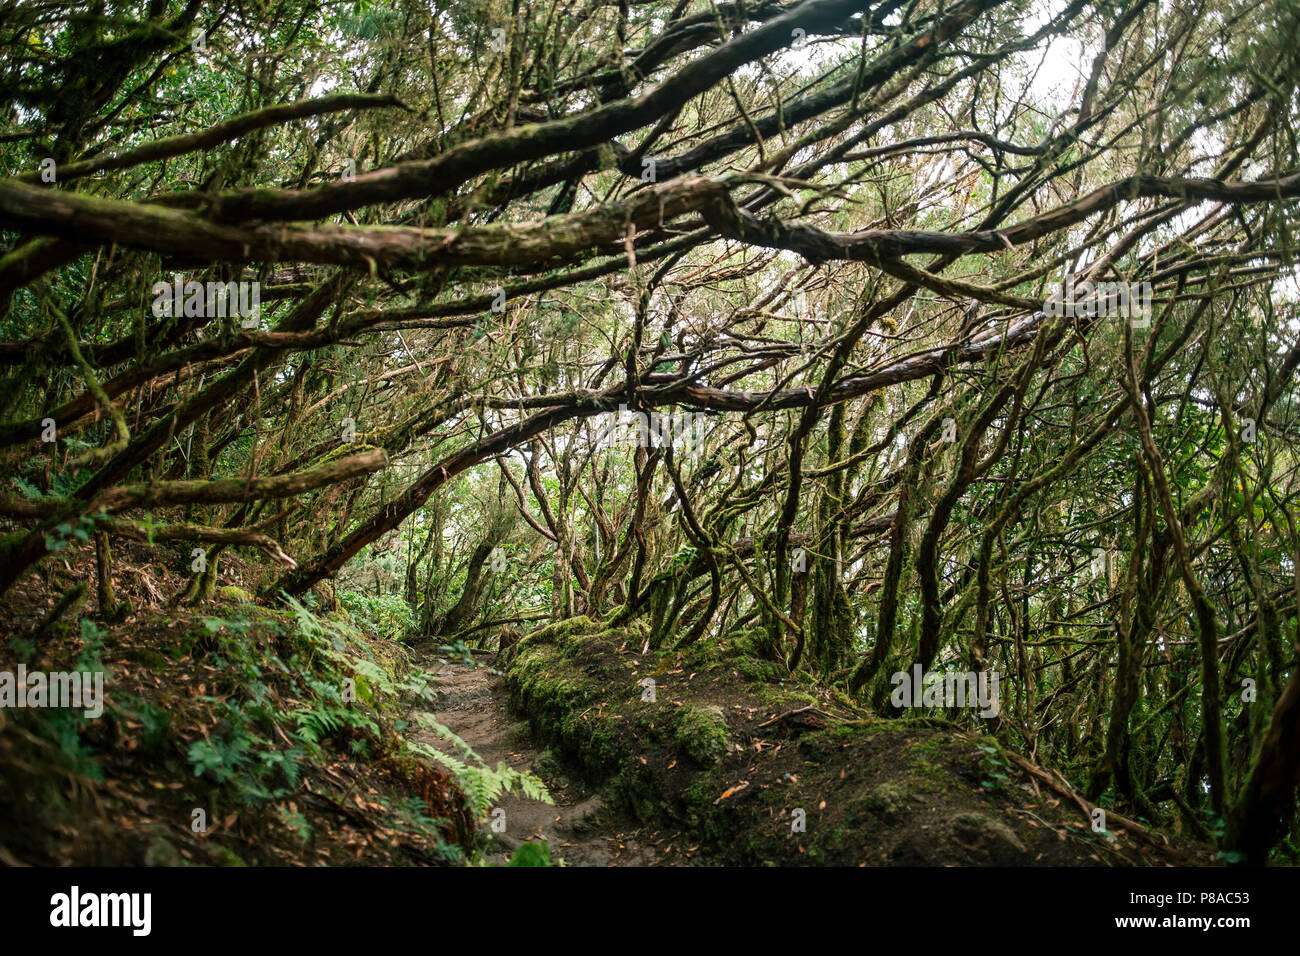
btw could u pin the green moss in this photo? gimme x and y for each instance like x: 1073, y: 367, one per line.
x: 754, y: 669
x: 788, y: 698
x: 860, y: 729
x: 227, y: 857
x: 701, y: 734
x: 929, y: 747
x: 547, y: 765
x: 888, y: 801
x: 231, y: 593
x: 860, y: 780
x: 559, y: 631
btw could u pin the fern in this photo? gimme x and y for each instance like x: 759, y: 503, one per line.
x: 429, y: 722
x: 482, y: 784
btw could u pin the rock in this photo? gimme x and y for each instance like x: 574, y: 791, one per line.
x: 701, y: 733
x: 975, y: 831
x: 887, y: 801
x: 231, y: 593
x: 160, y: 852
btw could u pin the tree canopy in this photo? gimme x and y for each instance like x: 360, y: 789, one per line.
x: 969, y: 330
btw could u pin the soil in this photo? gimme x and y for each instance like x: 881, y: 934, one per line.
x: 580, y: 828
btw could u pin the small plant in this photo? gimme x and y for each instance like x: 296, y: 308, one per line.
x: 459, y: 652
x: 995, y: 768
x: 387, y: 615
x: 481, y: 783
x: 81, y: 530
x: 533, y: 853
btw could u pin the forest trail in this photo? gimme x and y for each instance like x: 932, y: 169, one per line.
x: 471, y: 702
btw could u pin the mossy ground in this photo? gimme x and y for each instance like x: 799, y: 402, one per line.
x: 208, y: 709
x: 728, y: 753
x: 731, y: 749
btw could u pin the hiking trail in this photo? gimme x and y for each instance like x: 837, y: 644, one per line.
x: 579, y: 828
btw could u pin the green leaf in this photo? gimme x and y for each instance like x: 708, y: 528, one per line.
x: 531, y: 854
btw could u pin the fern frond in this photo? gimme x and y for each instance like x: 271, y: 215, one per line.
x: 482, y: 784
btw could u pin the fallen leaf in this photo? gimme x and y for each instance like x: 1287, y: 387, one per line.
x: 730, y: 791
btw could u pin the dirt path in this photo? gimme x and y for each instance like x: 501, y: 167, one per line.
x: 470, y: 701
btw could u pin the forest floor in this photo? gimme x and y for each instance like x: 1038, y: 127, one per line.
x: 580, y: 828
x: 751, y: 765
x: 207, y: 710
x: 183, y: 688
x: 223, y: 740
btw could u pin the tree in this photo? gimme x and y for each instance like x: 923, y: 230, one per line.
x: 954, y: 357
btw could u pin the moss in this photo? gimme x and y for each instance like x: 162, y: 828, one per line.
x: 757, y: 670
x: 701, y: 734
x: 788, y: 697
x: 859, y: 729
x: 921, y: 767
x: 603, y: 753
x: 979, y: 831
x: 635, y: 787
x: 929, y: 747
x: 231, y: 593
x: 224, y: 856
x: 860, y: 780
x: 548, y: 766
x: 888, y: 801
x: 699, y: 795
x: 559, y: 631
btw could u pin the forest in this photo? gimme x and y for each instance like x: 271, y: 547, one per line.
x: 649, y: 432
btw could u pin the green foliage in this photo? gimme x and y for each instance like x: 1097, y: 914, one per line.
x: 458, y: 651
x: 22, y: 648
x: 155, y: 721
x: 66, y: 531
x: 249, y: 755
x: 295, y: 821
x: 481, y: 783
x: 65, y: 726
x: 975, y: 549
x: 387, y: 615
x: 996, y: 771
x: 532, y: 853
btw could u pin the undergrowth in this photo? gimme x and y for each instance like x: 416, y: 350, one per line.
x: 265, y: 718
